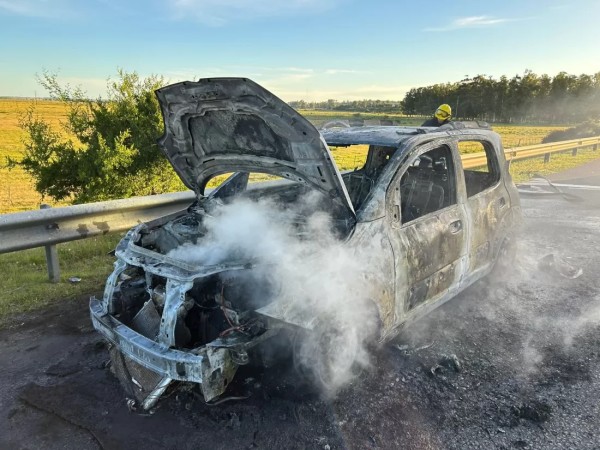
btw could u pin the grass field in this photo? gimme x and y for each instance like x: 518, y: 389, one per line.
x: 17, y: 192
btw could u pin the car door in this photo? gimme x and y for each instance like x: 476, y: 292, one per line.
x: 487, y: 202
x: 428, y: 226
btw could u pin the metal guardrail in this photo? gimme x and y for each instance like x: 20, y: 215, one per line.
x: 50, y: 226
x: 473, y: 160
x: 30, y: 229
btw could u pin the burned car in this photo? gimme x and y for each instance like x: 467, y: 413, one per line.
x: 431, y: 228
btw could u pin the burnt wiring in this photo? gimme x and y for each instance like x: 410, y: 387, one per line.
x: 232, y: 327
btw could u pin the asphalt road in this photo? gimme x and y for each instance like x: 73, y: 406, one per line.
x: 514, y: 362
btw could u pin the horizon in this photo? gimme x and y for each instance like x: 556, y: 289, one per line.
x: 298, y: 49
x: 341, y: 101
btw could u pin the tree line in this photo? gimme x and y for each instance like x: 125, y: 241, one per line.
x: 378, y: 106
x: 563, y: 98
x: 529, y: 97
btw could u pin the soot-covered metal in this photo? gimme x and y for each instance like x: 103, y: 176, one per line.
x: 434, y: 227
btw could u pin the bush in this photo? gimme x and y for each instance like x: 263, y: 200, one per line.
x: 107, y: 148
x: 586, y: 129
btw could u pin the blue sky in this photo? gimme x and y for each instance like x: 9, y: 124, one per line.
x: 298, y: 49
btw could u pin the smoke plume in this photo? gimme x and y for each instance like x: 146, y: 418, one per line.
x: 545, y: 301
x: 320, y: 280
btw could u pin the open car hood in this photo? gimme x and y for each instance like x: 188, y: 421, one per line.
x: 221, y: 125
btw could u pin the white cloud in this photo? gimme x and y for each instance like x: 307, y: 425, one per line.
x: 18, y: 7
x: 296, y: 70
x: 476, y: 21
x: 39, y: 8
x: 341, y: 71
x: 221, y: 12
x: 471, y: 22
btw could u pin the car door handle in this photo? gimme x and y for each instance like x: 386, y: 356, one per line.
x: 455, y: 227
x: 502, y: 202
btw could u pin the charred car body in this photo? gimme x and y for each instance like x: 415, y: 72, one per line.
x: 439, y: 228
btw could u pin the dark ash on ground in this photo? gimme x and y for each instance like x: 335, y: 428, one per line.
x: 529, y: 372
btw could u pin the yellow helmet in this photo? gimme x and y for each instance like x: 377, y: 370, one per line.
x: 443, y: 112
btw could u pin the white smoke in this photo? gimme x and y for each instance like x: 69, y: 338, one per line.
x: 535, y: 313
x: 320, y: 279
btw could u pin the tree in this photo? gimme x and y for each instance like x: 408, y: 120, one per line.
x: 524, y: 98
x: 107, y: 148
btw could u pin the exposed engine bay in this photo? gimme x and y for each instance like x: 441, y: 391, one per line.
x: 208, y: 310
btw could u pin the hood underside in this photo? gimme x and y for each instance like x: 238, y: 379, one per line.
x: 222, y: 125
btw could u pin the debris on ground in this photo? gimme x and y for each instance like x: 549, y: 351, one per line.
x: 234, y: 421
x: 74, y: 280
x: 555, y: 264
x: 131, y: 405
x: 227, y: 399
x: 406, y: 348
x: 445, y: 364
x: 540, y: 185
x: 535, y: 411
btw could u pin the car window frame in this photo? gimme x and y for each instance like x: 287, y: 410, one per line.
x: 486, y: 143
x: 410, y: 157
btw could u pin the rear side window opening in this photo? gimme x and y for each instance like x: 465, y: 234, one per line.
x: 478, y: 179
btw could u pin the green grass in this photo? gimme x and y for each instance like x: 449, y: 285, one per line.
x: 24, y: 285
x: 522, y: 135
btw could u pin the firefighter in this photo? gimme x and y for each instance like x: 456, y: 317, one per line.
x: 440, y: 117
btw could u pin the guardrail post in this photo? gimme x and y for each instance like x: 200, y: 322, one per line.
x: 595, y: 147
x: 546, y: 158
x: 574, y: 152
x: 52, y: 257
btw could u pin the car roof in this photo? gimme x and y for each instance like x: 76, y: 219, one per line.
x: 391, y: 136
